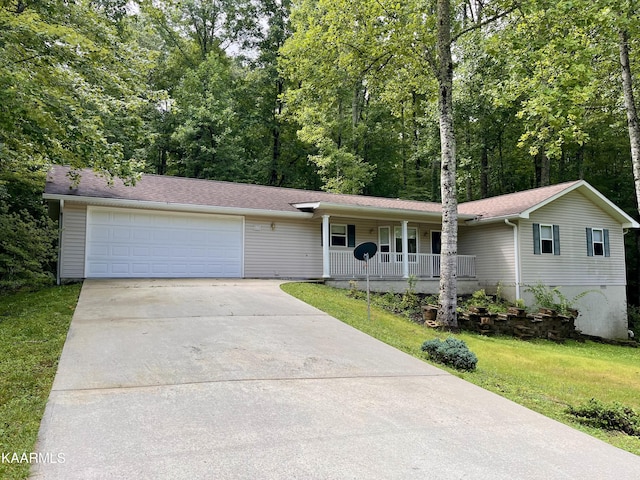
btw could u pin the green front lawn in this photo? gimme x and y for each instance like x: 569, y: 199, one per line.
x: 541, y: 375
x: 33, y: 328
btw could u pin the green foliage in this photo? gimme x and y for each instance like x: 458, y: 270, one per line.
x: 354, y: 291
x: 633, y: 316
x: 614, y: 416
x: 554, y: 299
x: 28, y: 237
x: 452, y: 352
x: 479, y: 298
x: 70, y: 89
x: 410, y: 300
x: 27, y: 251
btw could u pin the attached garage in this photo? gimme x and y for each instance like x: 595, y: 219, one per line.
x: 129, y: 243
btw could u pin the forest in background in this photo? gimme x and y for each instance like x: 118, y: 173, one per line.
x: 337, y: 95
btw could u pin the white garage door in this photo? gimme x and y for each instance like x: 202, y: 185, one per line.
x: 141, y: 243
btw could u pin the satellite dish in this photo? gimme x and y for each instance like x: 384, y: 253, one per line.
x: 365, y: 251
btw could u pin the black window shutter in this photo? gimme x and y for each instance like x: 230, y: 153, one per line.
x: 351, y: 235
x: 536, y: 238
x: 607, y: 249
x: 321, y: 235
x: 556, y: 240
x: 589, y: 242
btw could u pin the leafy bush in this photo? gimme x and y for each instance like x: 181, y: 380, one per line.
x: 479, y: 298
x: 614, y: 416
x: 451, y: 352
x: 28, y: 237
x: 633, y: 316
x: 27, y: 253
x: 354, y: 291
x: 554, y: 299
x: 410, y: 301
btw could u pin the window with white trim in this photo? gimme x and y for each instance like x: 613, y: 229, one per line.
x: 598, y: 242
x: 384, y: 243
x: 546, y: 239
x: 338, y: 235
x: 412, y: 242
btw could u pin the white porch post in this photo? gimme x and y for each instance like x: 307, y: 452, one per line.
x: 405, y: 249
x: 326, y: 266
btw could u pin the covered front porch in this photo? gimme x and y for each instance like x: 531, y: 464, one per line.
x: 405, y: 248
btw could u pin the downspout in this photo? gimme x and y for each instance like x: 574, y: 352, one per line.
x: 59, y: 262
x: 516, y: 255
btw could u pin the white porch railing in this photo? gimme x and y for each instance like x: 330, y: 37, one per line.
x: 343, y: 264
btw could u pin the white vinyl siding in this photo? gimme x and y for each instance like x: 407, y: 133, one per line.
x: 282, y: 248
x: 72, y: 241
x: 293, y: 248
x: 573, y: 213
x: 492, y: 244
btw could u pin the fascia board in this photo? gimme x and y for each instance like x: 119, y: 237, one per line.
x: 175, y: 207
x: 376, y: 212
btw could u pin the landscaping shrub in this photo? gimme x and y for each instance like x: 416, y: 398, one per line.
x: 410, y: 302
x: 451, y: 352
x: 614, y: 416
x: 633, y: 316
x: 28, y: 237
x: 554, y: 299
x: 479, y: 298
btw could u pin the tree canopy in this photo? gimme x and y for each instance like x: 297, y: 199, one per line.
x: 344, y: 96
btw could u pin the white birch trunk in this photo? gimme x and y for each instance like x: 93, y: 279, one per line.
x: 632, y: 115
x: 448, y: 256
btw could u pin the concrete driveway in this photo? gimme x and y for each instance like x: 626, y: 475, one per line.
x: 206, y: 379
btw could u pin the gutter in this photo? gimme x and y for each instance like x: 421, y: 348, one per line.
x: 516, y: 255
x: 174, y: 207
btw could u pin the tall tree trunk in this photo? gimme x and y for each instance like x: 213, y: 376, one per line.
x: 416, y: 136
x: 484, y: 171
x: 274, y: 176
x: 545, y: 170
x: 404, y: 151
x: 632, y: 114
x: 449, y: 252
x: 162, y: 167
x: 580, y: 162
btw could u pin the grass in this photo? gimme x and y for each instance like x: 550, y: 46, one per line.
x: 33, y: 328
x: 543, y: 376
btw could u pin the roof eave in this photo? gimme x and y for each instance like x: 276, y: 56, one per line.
x: 363, y: 211
x: 175, y: 207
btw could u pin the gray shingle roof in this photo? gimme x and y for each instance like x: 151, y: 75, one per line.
x: 181, y: 192
x: 513, y: 204
x: 189, y: 191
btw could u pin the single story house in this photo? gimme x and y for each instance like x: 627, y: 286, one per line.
x: 567, y: 235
